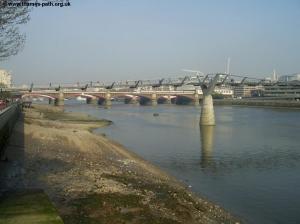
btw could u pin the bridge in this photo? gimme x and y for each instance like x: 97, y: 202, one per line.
x: 106, y: 97
x: 134, y: 91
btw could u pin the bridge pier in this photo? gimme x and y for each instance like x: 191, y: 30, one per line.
x: 60, y: 100
x: 207, y: 108
x: 92, y: 100
x: 154, y: 99
x: 107, y: 101
x: 169, y: 100
x: 207, y: 111
x: 196, y: 99
x: 51, y: 101
x: 134, y: 101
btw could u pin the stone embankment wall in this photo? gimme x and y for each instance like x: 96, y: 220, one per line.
x: 258, y: 102
x: 8, y: 118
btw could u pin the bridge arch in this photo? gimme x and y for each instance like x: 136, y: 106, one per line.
x: 35, y: 95
x: 128, y: 98
x: 162, y: 99
x: 184, y: 99
x: 83, y: 95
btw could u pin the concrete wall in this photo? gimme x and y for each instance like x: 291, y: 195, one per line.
x: 8, y: 118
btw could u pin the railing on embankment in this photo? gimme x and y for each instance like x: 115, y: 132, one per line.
x: 8, y: 118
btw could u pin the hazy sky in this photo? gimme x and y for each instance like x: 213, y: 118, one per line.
x: 104, y: 40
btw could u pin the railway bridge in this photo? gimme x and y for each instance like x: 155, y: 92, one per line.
x: 106, y: 97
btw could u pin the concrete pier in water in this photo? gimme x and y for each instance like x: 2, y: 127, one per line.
x: 207, y: 116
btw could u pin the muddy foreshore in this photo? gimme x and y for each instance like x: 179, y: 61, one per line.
x: 92, y: 179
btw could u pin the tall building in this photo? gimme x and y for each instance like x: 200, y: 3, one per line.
x: 5, y: 78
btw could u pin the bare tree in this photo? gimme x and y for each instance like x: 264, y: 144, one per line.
x: 11, y: 16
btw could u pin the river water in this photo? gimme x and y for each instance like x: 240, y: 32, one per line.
x: 249, y: 163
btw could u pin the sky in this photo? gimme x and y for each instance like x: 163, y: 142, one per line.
x: 107, y: 40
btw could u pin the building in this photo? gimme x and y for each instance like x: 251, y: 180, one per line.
x: 225, y: 91
x: 286, y: 90
x: 5, y: 78
x: 246, y: 91
x: 222, y: 90
x: 289, y: 78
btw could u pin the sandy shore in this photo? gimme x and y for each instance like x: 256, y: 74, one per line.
x: 92, y: 179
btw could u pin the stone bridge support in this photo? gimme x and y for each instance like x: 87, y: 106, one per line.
x: 207, y: 109
x: 196, y: 99
x: 107, y: 101
x: 169, y: 99
x: 153, y: 99
x: 51, y: 101
x: 134, y: 101
x: 60, y: 100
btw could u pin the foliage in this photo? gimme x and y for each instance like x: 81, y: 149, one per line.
x: 11, y: 39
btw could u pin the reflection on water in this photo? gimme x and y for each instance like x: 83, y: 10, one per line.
x: 249, y: 162
x: 207, y: 144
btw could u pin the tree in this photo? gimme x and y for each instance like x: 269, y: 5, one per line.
x: 11, y: 16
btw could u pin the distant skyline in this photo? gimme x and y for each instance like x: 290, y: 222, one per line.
x: 141, y: 39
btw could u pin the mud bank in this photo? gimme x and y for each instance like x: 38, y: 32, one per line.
x: 92, y: 179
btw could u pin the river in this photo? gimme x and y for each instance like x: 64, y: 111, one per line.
x: 249, y: 163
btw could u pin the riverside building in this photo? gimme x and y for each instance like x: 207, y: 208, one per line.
x: 5, y: 78
x: 246, y: 91
x: 288, y: 90
x: 287, y: 87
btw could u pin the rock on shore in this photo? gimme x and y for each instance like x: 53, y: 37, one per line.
x: 92, y: 179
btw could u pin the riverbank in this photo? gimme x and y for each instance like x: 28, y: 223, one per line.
x: 92, y: 179
x: 258, y: 103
